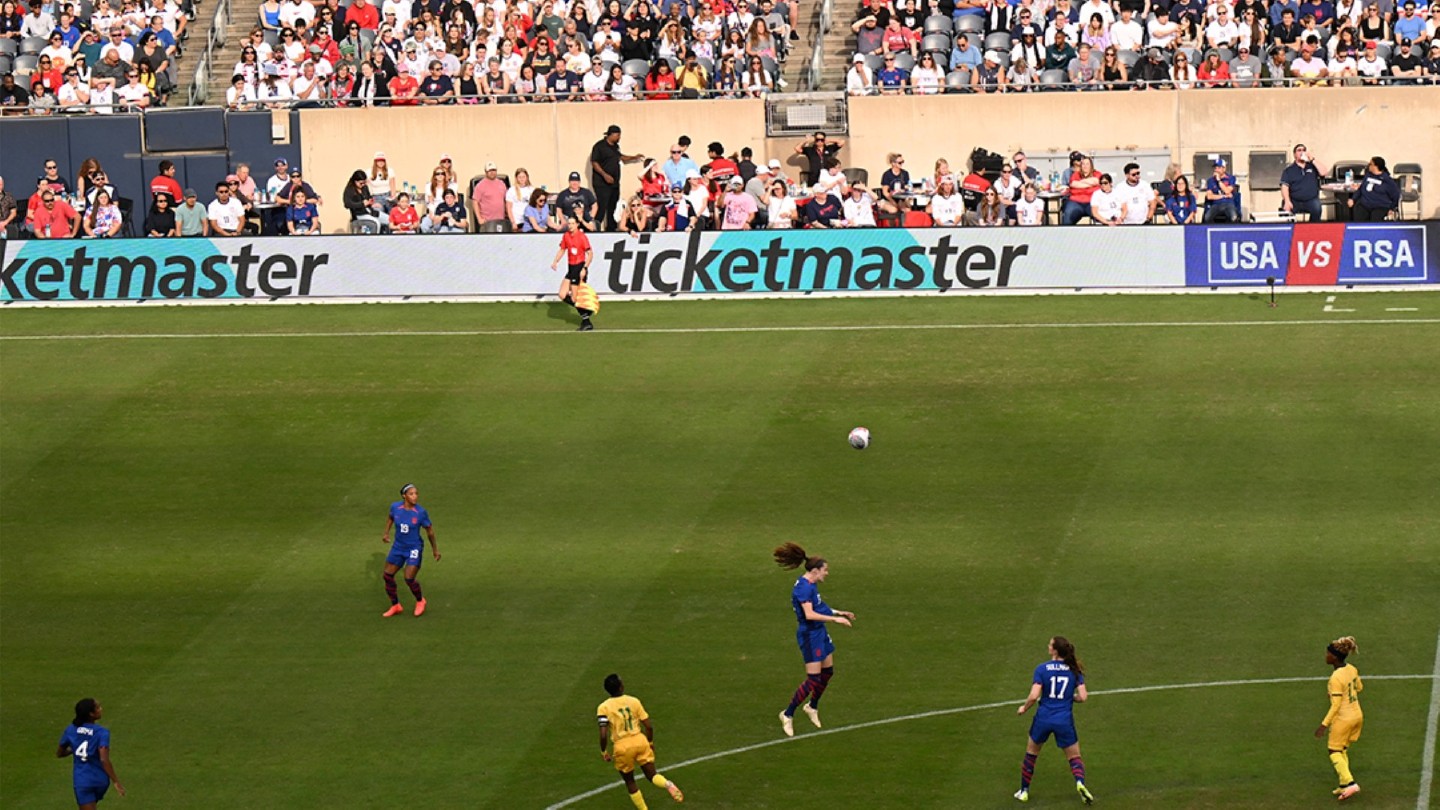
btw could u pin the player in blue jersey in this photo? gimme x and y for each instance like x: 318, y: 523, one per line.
x: 89, y: 743
x: 815, y: 645
x: 407, y: 517
x: 1058, y: 684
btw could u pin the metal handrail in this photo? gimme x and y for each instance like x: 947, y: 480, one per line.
x: 200, y: 86
x: 817, y: 55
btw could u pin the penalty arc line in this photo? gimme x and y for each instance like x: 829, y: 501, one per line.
x: 745, y: 749
x: 1432, y: 720
x: 720, y: 329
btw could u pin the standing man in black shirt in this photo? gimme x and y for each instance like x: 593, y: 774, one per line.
x: 815, y: 149
x: 1300, y: 185
x: 605, y: 160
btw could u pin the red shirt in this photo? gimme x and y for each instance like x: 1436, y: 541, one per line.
x: 403, y: 89
x: 166, y: 185
x: 575, y: 243
x: 723, y: 168
x: 656, y: 82
x: 368, y: 16
x: 404, y: 220
x: 1220, y: 75
x: 58, y: 218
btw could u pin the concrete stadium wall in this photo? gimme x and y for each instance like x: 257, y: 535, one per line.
x: 553, y: 140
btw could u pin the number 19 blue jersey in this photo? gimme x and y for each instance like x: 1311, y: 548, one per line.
x: 408, y: 524
x: 85, y: 742
x: 1057, y: 691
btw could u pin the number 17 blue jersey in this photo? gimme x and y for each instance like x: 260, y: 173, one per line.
x: 1057, y: 691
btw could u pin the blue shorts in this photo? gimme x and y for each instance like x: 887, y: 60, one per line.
x: 404, y: 555
x: 90, y: 794
x: 814, y: 644
x: 1041, y: 728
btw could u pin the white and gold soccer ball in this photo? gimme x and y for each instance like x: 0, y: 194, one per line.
x: 860, y: 438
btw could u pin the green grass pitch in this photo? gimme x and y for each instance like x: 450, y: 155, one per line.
x: 191, y: 534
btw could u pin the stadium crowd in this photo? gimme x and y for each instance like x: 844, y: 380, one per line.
x: 95, y: 56
x: 930, y: 46
x: 677, y: 193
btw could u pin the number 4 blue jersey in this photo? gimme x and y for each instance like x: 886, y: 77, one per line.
x: 85, y: 743
x: 1057, y: 691
x: 408, y: 523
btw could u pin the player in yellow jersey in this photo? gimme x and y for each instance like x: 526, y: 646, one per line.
x: 1342, y: 723
x: 625, y: 725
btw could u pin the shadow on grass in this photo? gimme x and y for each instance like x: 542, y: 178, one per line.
x: 555, y: 310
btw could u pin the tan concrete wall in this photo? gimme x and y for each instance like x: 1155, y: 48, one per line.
x: 551, y: 140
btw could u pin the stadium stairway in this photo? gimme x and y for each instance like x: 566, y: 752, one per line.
x: 243, y: 15
x: 839, y: 46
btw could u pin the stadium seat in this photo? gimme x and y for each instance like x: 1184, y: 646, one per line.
x: 938, y: 24
x: 1128, y: 58
x: 771, y: 66
x: 1004, y: 60
x: 1052, y: 78
x: 272, y: 38
x: 367, y: 40
x: 856, y: 175
x: 636, y: 68
x: 706, y: 63
x: 127, y: 216
x: 1265, y: 170
x: 1408, y: 176
x: 874, y: 61
x: 904, y: 61
x: 365, y: 225
x: 5, y: 63
x: 970, y: 24
x: 936, y: 43
x: 958, y: 80
x: 1383, y: 49
x: 25, y: 64
x: 32, y: 45
x: 998, y: 41
x: 1227, y: 55
x: 9, y: 47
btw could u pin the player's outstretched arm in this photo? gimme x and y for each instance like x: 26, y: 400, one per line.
x: 1031, y: 699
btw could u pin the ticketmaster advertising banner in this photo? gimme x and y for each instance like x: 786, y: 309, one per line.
x: 767, y: 262
x: 1321, y: 253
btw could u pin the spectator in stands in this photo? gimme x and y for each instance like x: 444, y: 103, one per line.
x: 1023, y: 170
x: 1222, y: 196
x: 1406, y: 66
x: 824, y: 210
x: 1081, y: 185
x: 13, y: 98
x: 269, y: 14
x: 241, y: 95
x: 1371, y: 68
x: 301, y: 216
x: 894, y: 185
x: 73, y: 96
x: 1059, y: 55
x: 1126, y: 33
x: 226, y: 214
x: 1308, y: 69
x: 990, y: 78
x: 869, y: 36
x: 1029, y: 209
x: 890, y: 79
x: 357, y: 198
x: 1027, y: 48
x: 488, y: 200
x: 538, y: 217
x: 660, y: 81
x: 1139, y: 198
x: 1276, y: 71
x: 577, y: 201
x: 11, y: 20
x: 1378, y: 195
x: 738, y: 208
x: 1245, y: 68
x: 963, y: 56
x: 745, y: 165
x: 136, y: 96
x: 9, y: 209
x: 1222, y: 32
x: 1300, y: 185
x: 1007, y: 186
x: 403, y: 217
x: 93, y: 183
x: 858, y: 208
x: 946, y: 208
x: 160, y: 219
x: 860, y: 80
x: 297, y: 182
x: 446, y: 216
x: 678, y: 166
x: 606, y: 160
x: 1106, y: 207
x: 1182, y: 73
x: 1180, y: 206
x: 191, y: 218
x: 38, y: 21
x: 404, y: 90
x: 780, y: 210
x: 370, y: 88
x: 1213, y: 72
x: 164, y: 182
x: 1409, y: 25
x: 1084, y: 69
x: 991, y: 211
x: 517, y: 196
x: 1112, y: 74
x: 815, y: 149
x: 362, y: 12
x: 53, y: 218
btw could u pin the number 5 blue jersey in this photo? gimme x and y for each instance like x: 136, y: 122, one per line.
x: 1057, y: 690
x: 85, y: 743
x: 408, y: 523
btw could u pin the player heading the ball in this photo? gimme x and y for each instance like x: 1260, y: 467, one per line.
x: 816, y: 648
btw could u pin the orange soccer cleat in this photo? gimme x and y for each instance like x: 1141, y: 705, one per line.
x: 394, y: 610
x: 420, y: 607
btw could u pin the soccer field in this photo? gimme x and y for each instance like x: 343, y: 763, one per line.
x: 1197, y: 490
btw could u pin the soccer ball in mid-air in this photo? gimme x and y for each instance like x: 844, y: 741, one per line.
x: 860, y: 438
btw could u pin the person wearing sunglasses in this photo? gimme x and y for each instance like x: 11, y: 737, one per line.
x: 53, y: 218
x: 1106, y: 207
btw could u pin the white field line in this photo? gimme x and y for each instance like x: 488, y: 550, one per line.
x: 1427, y: 763
x: 745, y: 749
x: 719, y: 329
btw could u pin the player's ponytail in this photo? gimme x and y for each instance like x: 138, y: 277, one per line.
x: 1066, y: 651
x: 1343, y: 647
x: 790, y: 555
x: 84, y: 711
